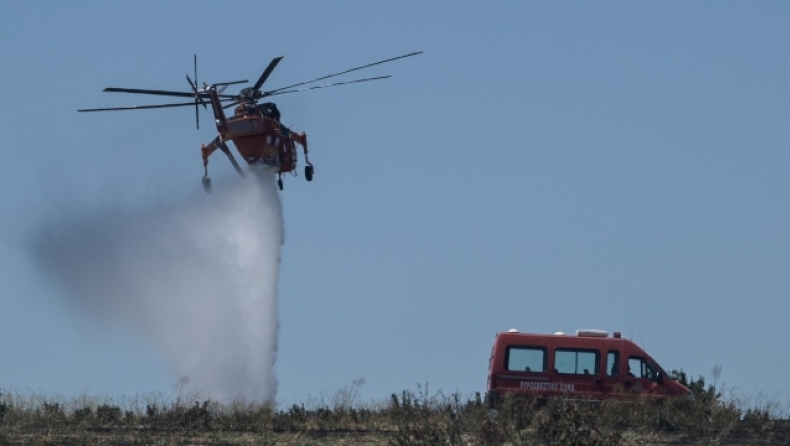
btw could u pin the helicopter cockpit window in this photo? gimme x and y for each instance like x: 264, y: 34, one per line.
x: 269, y: 109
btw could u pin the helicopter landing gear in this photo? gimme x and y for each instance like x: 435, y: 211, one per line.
x: 207, y: 184
x: 308, y: 172
x: 280, y: 182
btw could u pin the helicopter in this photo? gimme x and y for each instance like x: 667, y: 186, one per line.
x: 261, y: 140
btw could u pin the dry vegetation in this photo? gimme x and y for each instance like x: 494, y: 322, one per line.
x: 408, y: 418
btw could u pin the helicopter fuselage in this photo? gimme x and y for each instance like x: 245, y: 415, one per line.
x: 262, y: 140
x: 259, y: 137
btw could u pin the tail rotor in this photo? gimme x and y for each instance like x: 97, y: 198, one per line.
x: 198, y: 99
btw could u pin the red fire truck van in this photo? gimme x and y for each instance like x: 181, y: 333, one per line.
x: 588, y: 365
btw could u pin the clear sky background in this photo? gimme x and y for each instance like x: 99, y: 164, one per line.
x: 543, y: 165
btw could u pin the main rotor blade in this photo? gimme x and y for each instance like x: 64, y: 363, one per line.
x: 344, y: 72
x: 137, y: 107
x: 225, y: 84
x: 325, y: 86
x: 266, y: 73
x: 155, y: 92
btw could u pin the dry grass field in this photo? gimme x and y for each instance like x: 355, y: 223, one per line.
x: 407, y: 418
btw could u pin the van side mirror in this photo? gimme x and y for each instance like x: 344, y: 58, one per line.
x: 660, y: 378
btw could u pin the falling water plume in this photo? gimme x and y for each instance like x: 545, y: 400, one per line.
x: 198, y: 278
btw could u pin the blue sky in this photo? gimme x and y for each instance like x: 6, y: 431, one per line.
x: 543, y: 165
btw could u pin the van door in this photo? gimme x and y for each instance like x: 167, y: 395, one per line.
x: 642, y: 377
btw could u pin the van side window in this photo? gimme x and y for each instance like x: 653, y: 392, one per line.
x: 526, y: 359
x: 613, y: 363
x: 576, y: 361
x: 641, y: 368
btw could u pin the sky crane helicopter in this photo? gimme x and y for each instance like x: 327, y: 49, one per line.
x: 255, y: 129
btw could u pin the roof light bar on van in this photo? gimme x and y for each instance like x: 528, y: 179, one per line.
x: 592, y: 333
